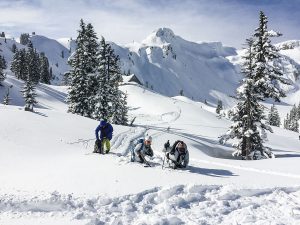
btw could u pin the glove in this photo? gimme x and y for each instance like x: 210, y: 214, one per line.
x: 167, y: 145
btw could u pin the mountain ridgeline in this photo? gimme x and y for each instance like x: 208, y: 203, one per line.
x: 171, y: 65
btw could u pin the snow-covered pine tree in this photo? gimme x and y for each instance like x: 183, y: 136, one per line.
x: 24, y: 39
x: 33, y: 64
x: 79, y: 92
x: 268, y: 74
x: 29, y: 94
x: 3, y: 64
x: 286, y: 123
x: 2, y: 76
x: 91, y: 61
x: 14, y: 67
x: 13, y: 48
x: 124, y: 110
x: 6, y: 98
x: 219, y: 107
x: 291, y: 121
x: 273, y: 117
x: 298, y: 111
x: 120, y: 115
x: 108, y: 98
x: 248, y: 127
x: 44, y: 69
x: 102, y: 106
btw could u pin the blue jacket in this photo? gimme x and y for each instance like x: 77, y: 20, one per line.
x: 105, y: 129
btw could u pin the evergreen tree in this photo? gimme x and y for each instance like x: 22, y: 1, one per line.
x: 6, y: 98
x: 24, y: 39
x: 263, y: 77
x: 19, y: 64
x: 291, y: 120
x: 273, y: 117
x: 91, y: 46
x: 33, y: 64
x: 102, y: 99
x: 3, y: 64
x: 44, y: 69
x: 120, y: 115
x: 13, y: 48
x: 248, y: 127
x: 50, y: 73
x: 286, y: 123
x: 2, y: 76
x: 15, y: 64
x: 219, y: 107
x: 29, y: 94
x: 108, y: 97
x: 268, y: 74
x: 79, y: 92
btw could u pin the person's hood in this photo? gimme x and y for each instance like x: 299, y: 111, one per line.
x: 103, y: 123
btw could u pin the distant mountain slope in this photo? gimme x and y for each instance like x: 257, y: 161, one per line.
x: 57, y: 54
x: 52, y: 49
x: 169, y: 64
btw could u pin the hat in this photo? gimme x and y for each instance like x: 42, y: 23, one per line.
x: 148, y: 138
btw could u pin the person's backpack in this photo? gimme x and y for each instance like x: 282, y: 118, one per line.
x: 174, y: 146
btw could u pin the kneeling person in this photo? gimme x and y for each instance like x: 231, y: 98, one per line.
x: 141, y: 149
x: 178, y: 154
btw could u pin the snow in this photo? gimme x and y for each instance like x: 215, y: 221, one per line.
x: 49, y: 175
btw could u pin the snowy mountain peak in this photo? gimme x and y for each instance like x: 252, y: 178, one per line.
x: 160, y: 36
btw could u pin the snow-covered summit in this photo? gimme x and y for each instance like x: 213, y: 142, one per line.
x: 160, y: 36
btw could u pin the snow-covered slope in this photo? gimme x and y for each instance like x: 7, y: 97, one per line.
x: 48, y: 96
x: 168, y: 64
x: 49, y: 176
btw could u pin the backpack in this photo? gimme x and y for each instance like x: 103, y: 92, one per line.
x: 140, y: 141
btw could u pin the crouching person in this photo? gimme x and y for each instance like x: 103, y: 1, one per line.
x: 178, y: 154
x: 142, y: 148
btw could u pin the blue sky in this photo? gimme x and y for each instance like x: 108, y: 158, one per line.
x: 122, y: 21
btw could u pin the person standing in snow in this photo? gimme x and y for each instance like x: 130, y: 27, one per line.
x: 106, y: 132
x: 178, y: 154
x: 141, y: 149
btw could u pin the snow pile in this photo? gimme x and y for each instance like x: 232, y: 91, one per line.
x: 182, y: 204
